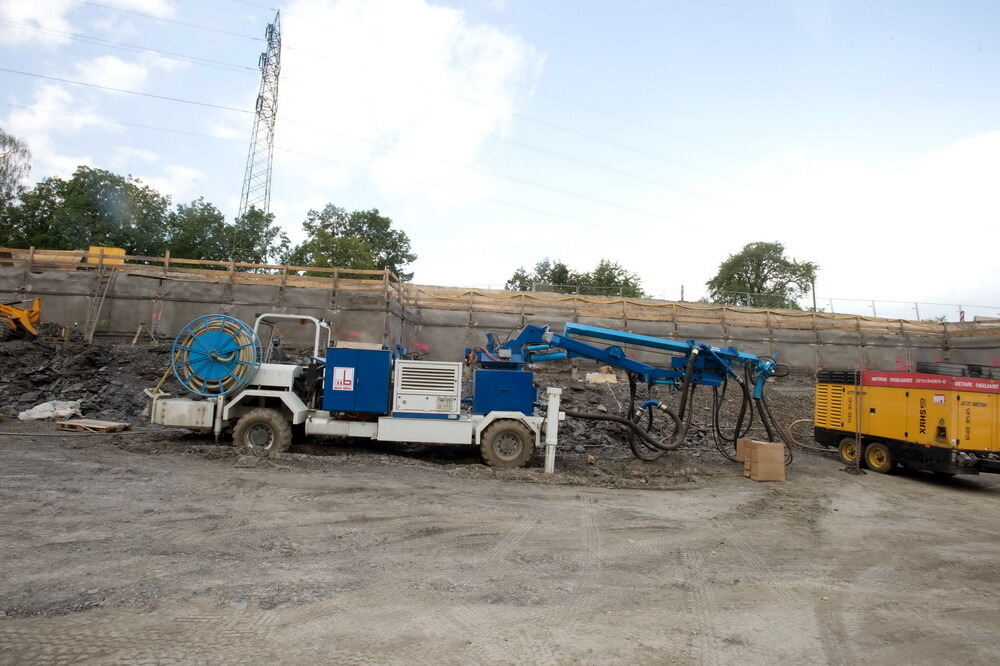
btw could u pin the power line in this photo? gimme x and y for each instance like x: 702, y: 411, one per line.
x: 110, y: 121
x: 254, y: 4
x: 100, y: 41
x: 546, y: 123
x: 609, y: 114
x: 495, y: 174
x: 487, y: 172
x: 604, y: 167
x: 154, y: 17
x: 127, y: 92
x: 559, y: 98
x: 525, y: 117
x: 322, y: 158
x: 579, y: 133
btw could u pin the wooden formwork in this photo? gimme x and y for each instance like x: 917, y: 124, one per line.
x: 523, y: 304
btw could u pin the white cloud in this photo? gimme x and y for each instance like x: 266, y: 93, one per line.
x: 124, y: 156
x: 51, y: 15
x: 227, y: 131
x: 54, y: 111
x: 112, y: 72
x: 43, y: 14
x: 383, y: 86
x: 907, y: 231
x: 161, y: 8
x: 178, y: 181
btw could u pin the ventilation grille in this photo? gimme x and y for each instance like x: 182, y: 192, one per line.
x: 829, y: 406
x: 838, y: 377
x: 428, y: 379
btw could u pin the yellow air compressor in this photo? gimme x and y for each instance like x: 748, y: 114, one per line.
x: 939, y: 423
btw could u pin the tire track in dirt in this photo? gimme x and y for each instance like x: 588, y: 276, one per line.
x: 703, y: 646
x: 236, y: 636
x: 428, y: 634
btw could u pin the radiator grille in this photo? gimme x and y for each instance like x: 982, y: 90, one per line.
x: 829, y: 406
x: 428, y: 379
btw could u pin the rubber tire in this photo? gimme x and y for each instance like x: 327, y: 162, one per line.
x: 888, y: 463
x: 507, y: 428
x: 6, y: 332
x: 271, y: 419
x: 845, y: 444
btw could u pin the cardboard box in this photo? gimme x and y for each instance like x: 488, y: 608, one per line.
x: 767, y: 461
x: 741, y: 448
x: 762, y: 461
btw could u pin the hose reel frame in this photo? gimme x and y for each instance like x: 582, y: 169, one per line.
x: 215, y: 355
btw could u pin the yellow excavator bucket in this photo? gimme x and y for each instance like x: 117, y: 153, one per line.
x: 15, y: 320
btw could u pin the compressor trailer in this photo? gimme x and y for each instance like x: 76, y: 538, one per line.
x: 937, y: 423
x: 371, y: 391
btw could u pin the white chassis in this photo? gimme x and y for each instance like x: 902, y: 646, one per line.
x: 273, y: 385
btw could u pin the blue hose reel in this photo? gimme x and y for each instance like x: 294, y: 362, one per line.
x: 215, y: 355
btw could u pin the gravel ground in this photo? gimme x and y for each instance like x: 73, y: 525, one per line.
x: 161, y: 547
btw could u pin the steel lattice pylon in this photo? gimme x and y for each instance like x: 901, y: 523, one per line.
x: 257, y: 180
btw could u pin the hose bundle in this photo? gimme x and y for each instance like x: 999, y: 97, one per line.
x: 215, y: 355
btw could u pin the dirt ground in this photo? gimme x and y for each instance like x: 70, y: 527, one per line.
x: 160, y: 547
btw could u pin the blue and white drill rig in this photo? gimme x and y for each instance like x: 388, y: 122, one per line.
x: 371, y: 391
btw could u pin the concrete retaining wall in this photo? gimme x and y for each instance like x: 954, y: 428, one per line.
x: 373, y: 315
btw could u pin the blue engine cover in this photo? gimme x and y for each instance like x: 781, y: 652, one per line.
x: 357, y: 380
x: 503, y: 391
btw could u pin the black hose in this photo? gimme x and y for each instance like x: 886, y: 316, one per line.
x: 639, y: 449
x: 781, y: 432
x: 739, y: 431
x: 688, y: 372
x: 674, y: 444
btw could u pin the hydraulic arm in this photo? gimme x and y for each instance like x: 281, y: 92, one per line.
x: 691, y: 364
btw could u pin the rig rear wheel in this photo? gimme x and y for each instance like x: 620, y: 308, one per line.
x: 507, y: 444
x: 263, y: 430
x: 878, y: 458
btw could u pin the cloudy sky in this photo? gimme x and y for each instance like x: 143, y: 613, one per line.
x: 662, y: 135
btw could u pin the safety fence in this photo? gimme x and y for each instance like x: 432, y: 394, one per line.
x: 635, y: 309
x: 205, y: 270
x: 523, y: 305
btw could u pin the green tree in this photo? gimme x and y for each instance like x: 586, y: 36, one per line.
x: 361, y: 239
x: 255, y: 238
x: 198, y: 230
x: 15, y: 164
x: 608, y: 278
x: 93, y: 207
x: 760, y: 275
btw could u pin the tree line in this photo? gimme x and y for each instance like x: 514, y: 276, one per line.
x: 98, y: 207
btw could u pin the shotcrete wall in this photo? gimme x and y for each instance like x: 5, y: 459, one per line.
x: 440, y: 331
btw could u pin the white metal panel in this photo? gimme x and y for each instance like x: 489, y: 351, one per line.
x: 346, y: 344
x: 322, y: 424
x: 276, y: 375
x: 533, y: 422
x: 441, y: 431
x: 431, y: 387
x: 184, y: 413
x: 291, y: 400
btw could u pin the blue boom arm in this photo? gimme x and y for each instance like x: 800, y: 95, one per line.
x: 536, y: 344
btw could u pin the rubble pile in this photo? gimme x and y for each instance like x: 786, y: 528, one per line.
x: 107, y: 379
x: 790, y: 398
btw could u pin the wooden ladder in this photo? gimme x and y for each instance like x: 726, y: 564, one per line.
x: 104, y: 279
